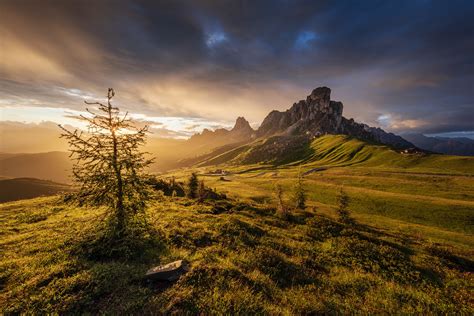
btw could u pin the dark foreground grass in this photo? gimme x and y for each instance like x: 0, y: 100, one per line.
x: 244, y: 259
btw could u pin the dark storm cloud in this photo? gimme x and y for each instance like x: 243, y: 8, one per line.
x: 406, y: 65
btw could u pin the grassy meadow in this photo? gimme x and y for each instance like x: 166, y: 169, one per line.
x: 245, y: 259
x: 409, y: 252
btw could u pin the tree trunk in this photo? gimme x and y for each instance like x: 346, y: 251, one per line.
x: 119, y: 207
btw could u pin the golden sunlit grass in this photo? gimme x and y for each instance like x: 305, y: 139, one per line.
x: 246, y: 260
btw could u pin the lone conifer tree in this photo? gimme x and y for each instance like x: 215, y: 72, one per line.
x: 281, y: 207
x: 299, y: 194
x: 193, y: 184
x: 109, y: 167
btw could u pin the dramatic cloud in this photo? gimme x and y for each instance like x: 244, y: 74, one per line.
x: 404, y: 65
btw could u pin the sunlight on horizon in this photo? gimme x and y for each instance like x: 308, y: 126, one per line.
x: 181, y: 127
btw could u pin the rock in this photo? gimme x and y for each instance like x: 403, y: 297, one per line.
x: 168, y: 272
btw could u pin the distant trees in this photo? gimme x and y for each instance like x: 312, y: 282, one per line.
x: 197, y: 190
x: 109, y: 166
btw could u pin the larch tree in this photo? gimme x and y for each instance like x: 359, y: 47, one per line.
x: 281, y: 207
x: 299, y: 194
x: 193, y: 186
x: 110, y: 168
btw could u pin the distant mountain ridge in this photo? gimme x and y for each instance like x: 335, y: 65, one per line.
x: 460, y: 146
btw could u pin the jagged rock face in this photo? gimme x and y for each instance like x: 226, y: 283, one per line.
x: 318, y: 115
x: 314, y: 116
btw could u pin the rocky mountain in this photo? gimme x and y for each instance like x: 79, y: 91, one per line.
x: 461, y: 146
x: 315, y: 116
x: 319, y: 115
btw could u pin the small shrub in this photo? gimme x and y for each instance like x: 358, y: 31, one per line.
x: 342, y: 208
x: 193, y: 184
x: 159, y: 195
x: 299, y: 194
x: 167, y: 187
x: 281, y: 208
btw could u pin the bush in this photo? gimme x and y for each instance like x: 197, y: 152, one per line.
x: 342, y: 208
x: 167, y: 187
x: 299, y: 194
x: 193, y: 184
x: 281, y: 208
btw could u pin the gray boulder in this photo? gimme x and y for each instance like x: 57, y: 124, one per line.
x: 168, y: 272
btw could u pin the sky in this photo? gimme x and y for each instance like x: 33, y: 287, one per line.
x: 181, y: 66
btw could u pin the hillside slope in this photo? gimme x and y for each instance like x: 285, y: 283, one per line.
x: 27, y: 188
x: 54, y: 166
x: 336, y: 151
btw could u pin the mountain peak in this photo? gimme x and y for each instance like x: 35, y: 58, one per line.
x: 241, y: 124
x: 320, y: 93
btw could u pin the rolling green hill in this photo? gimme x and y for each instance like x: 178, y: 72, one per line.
x: 336, y: 151
x: 384, y: 185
